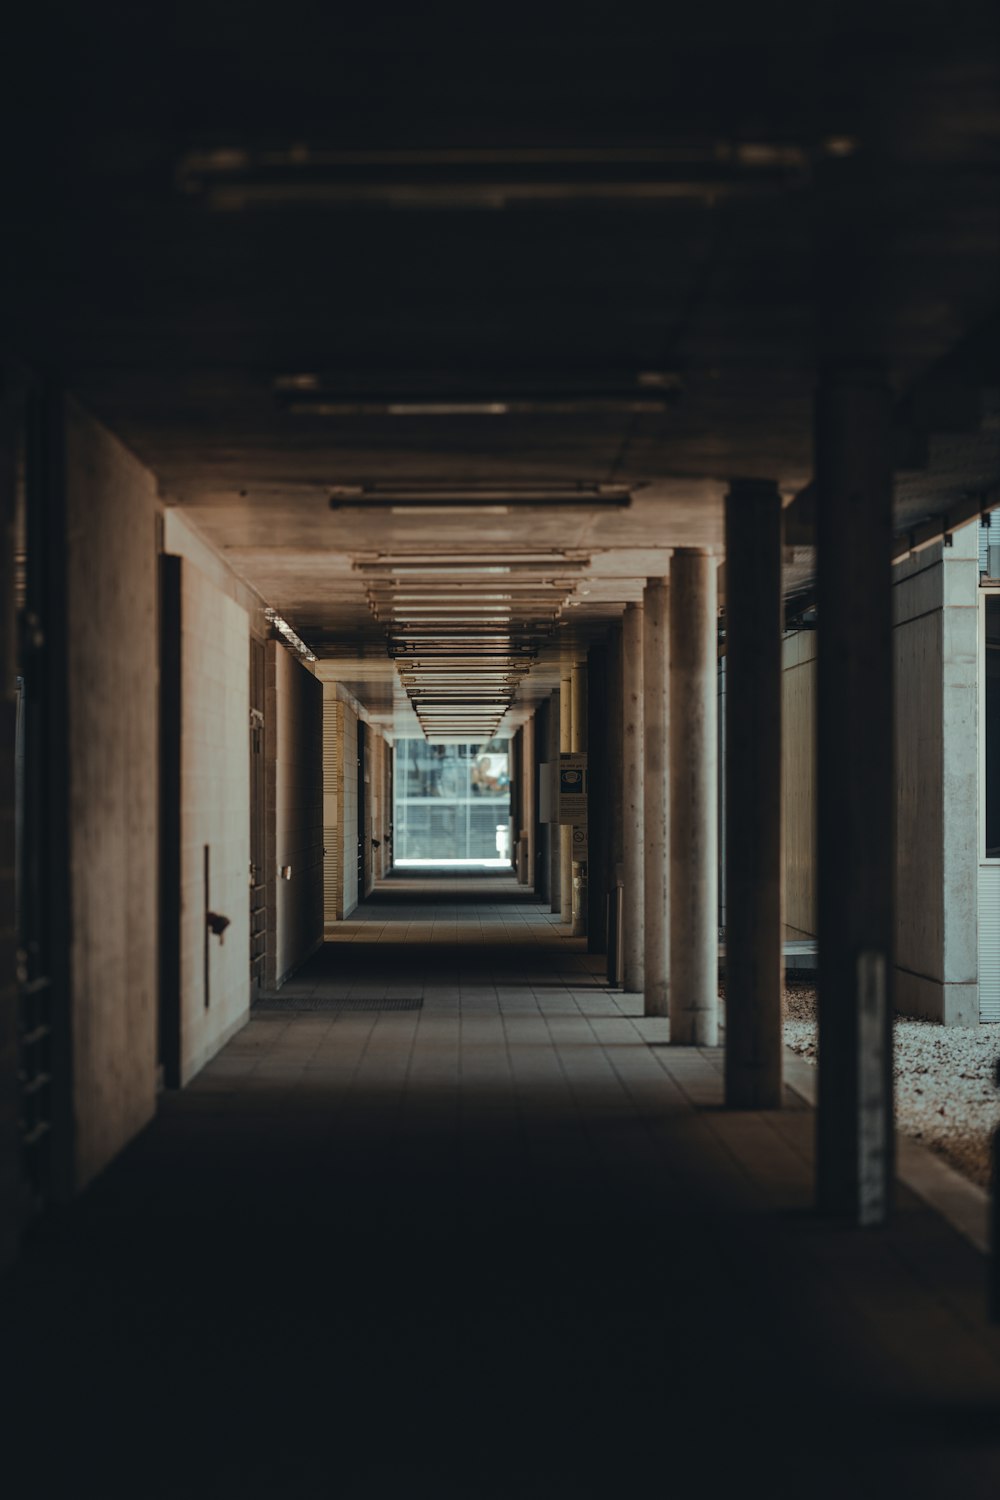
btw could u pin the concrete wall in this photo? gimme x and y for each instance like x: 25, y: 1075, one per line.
x: 799, y: 779
x: 181, y: 538
x: 215, y: 800
x: 113, y: 789
x: 294, y: 706
x: 935, y: 600
x: 936, y: 633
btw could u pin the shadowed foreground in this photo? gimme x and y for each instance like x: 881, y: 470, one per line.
x: 501, y: 1245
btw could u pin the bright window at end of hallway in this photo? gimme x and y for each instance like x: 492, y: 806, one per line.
x: 452, y: 801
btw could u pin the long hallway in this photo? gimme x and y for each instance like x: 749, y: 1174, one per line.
x: 447, y: 1219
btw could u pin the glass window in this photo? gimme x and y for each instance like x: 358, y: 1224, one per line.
x: 450, y: 799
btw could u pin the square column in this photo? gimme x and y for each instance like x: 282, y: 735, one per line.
x: 600, y: 803
x: 656, y: 796
x: 529, y: 811
x: 633, y: 832
x: 565, y: 831
x: 694, y: 808
x: 578, y: 744
x: 554, y: 831
x: 754, y: 932
x: 855, y: 795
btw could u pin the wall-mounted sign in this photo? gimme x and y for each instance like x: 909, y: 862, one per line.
x: 573, y: 789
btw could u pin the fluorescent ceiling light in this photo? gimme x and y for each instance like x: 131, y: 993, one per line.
x: 478, y: 496
x: 235, y: 178
x: 448, y: 510
x: 563, y: 404
x: 515, y: 589
x: 434, y: 607
x: 288, y: 635
x: 392, y: 563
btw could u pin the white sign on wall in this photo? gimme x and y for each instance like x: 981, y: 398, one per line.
x: 573, y: 789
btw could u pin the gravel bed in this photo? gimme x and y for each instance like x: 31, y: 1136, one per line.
x: 946, y: 1097
x: 945, y: 1092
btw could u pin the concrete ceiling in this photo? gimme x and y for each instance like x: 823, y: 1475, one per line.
x: 289, y: 257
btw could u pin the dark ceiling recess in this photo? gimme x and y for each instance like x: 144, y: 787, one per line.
x: 481, y: 286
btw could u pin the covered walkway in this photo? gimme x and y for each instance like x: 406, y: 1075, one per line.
x: 446, y: 1220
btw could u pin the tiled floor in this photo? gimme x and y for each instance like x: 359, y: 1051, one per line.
x: 506, y: 1245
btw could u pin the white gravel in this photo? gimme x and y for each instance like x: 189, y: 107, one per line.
x: 946, y: 1097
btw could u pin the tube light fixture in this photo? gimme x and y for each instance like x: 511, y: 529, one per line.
x: 561, y: 404
x: 235, y: 178
x: 513, y: 492
x: 282, y: 628
x: 392, y: 562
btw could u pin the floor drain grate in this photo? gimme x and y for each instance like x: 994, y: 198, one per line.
x: 326, y: 1002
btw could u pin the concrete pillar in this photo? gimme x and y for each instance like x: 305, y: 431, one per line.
x: 553, y: 722
x: 528, y: 797
x: 936, y: 669
x: 565, y: 831
x: 634, y: 841
x: 597, y: 882
x: 578, y: 743
x: 515, y: 767
x: 694, y: 833
x: 855, y: 795
x: 754, y: 932
x: 656, y: 795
